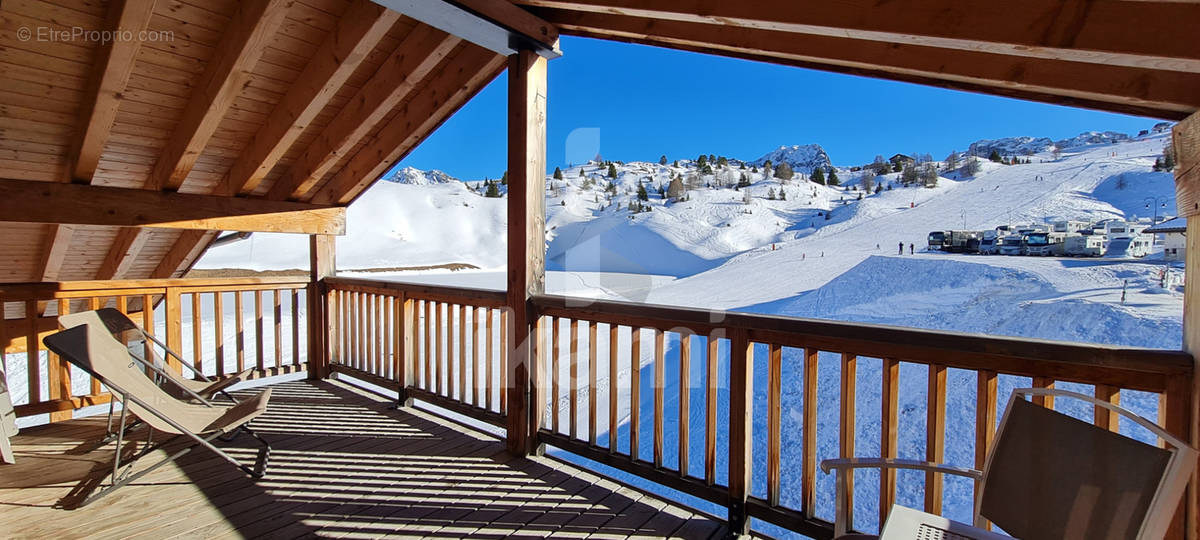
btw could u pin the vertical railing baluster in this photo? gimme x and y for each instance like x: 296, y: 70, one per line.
x: 741, y: 405
x: 258, y: 330
x: 808, y: 434
x: 635, y: 389
x: 219, y: 332
x: 592, y: 344
x: 774, y: 409
x: 277, y: 319
x: 612, y: 388
x: 935, y: 436
x: 239, y: 331
x: 846, y: 431
x: 490, y: 336
x: 985, y: 417
x: 685, y: 388
x: 572, y: 378
x: 295, y: 326
x: 711, y: 381
x: 659, y: 382
x: 1103, y: 417
x: 888, y: 427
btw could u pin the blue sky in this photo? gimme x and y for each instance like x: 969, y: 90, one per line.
x: 636, y: 103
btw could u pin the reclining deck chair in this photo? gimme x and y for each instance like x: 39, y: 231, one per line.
x: 86, y: 343
x: 1051, y: 476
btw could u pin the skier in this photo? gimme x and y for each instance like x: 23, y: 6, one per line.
x: 910, y: 249
x: 901, y: 249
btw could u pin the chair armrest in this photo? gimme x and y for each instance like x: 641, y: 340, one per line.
x: 892, y: 463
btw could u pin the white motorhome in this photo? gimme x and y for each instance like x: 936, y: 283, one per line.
x: 1044, y: 244
x: 1084, y: 245
x: 1070, y: 226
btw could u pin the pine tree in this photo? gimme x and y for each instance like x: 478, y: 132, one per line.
x: 504, y: 179
x: 744, y: 181
x: 707, y: 169
x: 675, y: 164
x: 868, y: 181
x: 995, y: 156
x: 782, y: 194
x: 970, y: 167
x: 784, y: 172
x: 722, y: 162
x: 492, y: 190
x: 701, y: 161
x: 612, y: 171
x: 676, y: 190
x: 1168, y: 158
x: 641, y: 192
x: 833, y: 177
x: 770, y: 194
x: 818, y: 176
x: 662, y: 160
x: 558, y: 173
x: 878, y: 188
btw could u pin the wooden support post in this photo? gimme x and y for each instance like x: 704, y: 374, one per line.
x: 741, y: 404
x: 1186, y: 144
x: 321, y: 264
x: 526, y: 241
x: 174, y: 325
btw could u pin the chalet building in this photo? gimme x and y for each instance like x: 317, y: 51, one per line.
x: 134, y: 133
x: 901, y: 160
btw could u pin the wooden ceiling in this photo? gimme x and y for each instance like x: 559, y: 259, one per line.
x: 264, y: 100
x: 309, y: 101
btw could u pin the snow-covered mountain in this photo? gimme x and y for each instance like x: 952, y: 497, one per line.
x: 1010, y: 146
x: 1092, y: 138
x: 802, y: 158
x: 417, y: 177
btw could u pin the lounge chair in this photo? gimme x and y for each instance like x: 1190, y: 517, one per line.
x: 8, y: 421
x: 1051, y: 476
x: 88, y: 344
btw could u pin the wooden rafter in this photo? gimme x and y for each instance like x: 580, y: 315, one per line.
x: 1110, y: 87
x: 494, y: 25
x: 110, y: 72
x: 57, y: 241
x: 52, y: 202
x: 224, y: 76
x: 359, y: 30
x: 124, y: 250
x: 1112, y: 33
x: 420, y: 52
x: 449, y: 88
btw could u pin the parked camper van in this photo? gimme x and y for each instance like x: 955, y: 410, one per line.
x: 960, y: 241
x: 1044, y: 243
x: 939, y: 240
x: 1012, y: 244
x: 990, y: 245
x: 1070, y: 227
x: 1086, y: 245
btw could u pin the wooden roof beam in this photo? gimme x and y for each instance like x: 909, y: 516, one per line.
x: 110, y: 72
x: 497, y: 26
x: 48, y: 202
x: 419, y: 54
x: 448, y: 90
x: 1168, y: 94
x: 252, y: 26
x: 123, y: 251
x: 1112, y: 33
x: 54, y: 252
x: 358, y: 32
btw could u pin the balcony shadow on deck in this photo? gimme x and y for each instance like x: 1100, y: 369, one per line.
x: 342, y: 465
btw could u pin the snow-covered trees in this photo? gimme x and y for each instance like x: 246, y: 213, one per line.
x: 995, y: 156
x: 675, y: 189
x: 818, y: 175
x: 868, y: 180
x: 641, y: 192
x: 662, y: 160
x: 612, y: 171
x: 558, y: 173
x: 929, y: 175
x: 833, y: 177
x: 952, y: 160
x: 970, y: 167
x: 491, y: 190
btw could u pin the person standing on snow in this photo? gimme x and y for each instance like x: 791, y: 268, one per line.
x: 910, y: 249
x: 901, y: 249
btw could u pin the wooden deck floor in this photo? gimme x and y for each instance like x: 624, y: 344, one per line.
x: 342, y: 465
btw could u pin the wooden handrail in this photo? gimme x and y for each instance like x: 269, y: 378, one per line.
x: 1127, y: 367
x: 478, y: 297
x: 45, y: 290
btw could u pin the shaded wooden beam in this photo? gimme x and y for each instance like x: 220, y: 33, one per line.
x: 526, y: 243
x: 183, y: 253
x: 503, y: 29
x: 226, y: 73
x: 123, y: 251
x: 418, y: 55
x: 363, y: 25
x: 1167, y: 94
x: 460, y: 78
x: 1111, y: 33
x: 49, y: 202
x: 54, y: 251
x: 110, y: 72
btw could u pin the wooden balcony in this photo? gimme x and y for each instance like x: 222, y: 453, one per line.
x: 345, y: 463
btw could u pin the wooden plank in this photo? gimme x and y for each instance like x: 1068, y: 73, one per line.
x: 415, y: 58
x: 124, y: 251
x: 428, y: 346
x: 985, y: 418
x: 635, y: 390
x: 846, y: 428
x: 358, y: 31
x: 685, y: 389
x: 197, y: 342
x: 60, y: 375
x: 405, y: 342
x: 1044, y: 382
x: 448, y: 88
x: 503, y: 351
x: 572, y: 377
x: 32, y: 346
x: 113, y: 63
x: 889, y: 433
x: 515, y: 19
x: 1185, y: 141
x: 659, y: 384
x: 613, y: 373
x: 808, y: 440
x: 277, y: 323
x: 219, y: 331
x: 935, y: 436
x: 487, y: 359
x: 1065, y: 81
x: 48, y: 202
x: 243, y: 42
x: 476, y: 366
x: 462, y: 352
x: 592, y: 387
x: 711, y: 384
x: 1105, y: 418
x: 1175, y: 410
x: 174, y: 324
x: 741, y: 408
x: 526, y: 233
x: 440, y: 347
x: 774, y: 410
x: 239, y: 331
x: 320, y: 350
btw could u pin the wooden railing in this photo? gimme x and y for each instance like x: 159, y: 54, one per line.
x: 601, y: 371
x: 261, y: 326
x: 442, y: 345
